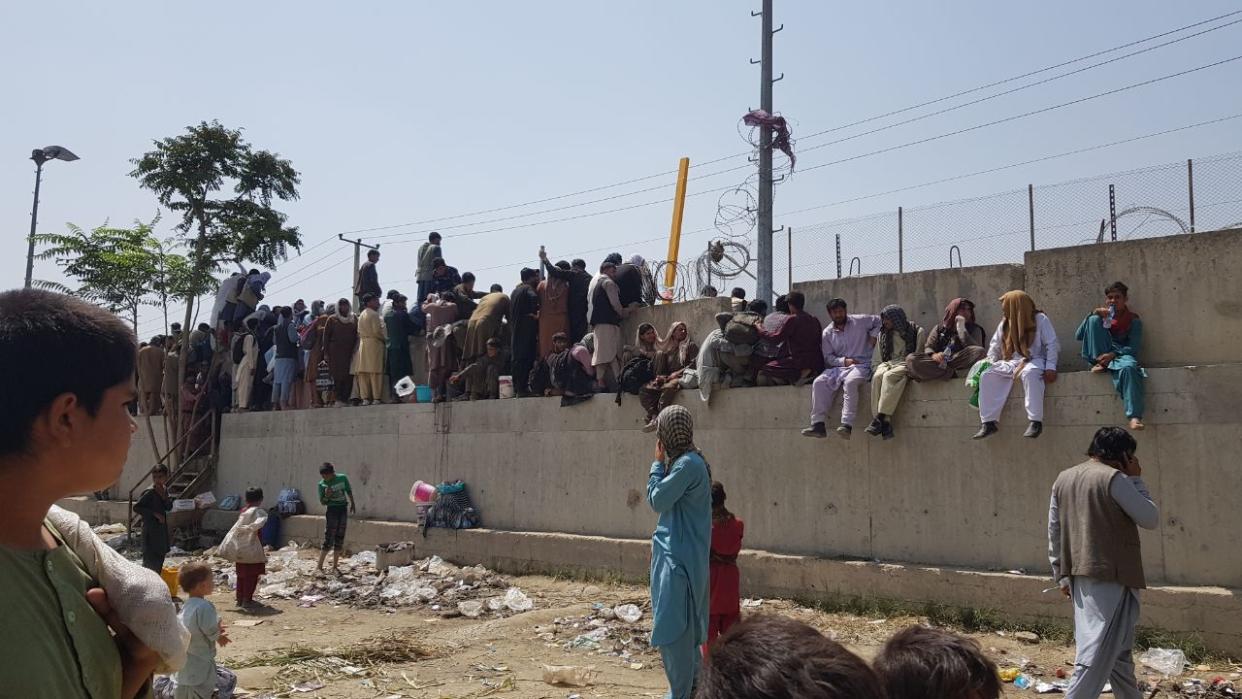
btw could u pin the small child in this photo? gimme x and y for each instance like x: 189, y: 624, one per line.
x: 334, y: 494
x: 726, y: 604
x: 243, y: 547
x: 197, y: 680
x: 923, y: 663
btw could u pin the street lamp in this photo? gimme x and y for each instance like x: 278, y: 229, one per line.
x: 40, y: 156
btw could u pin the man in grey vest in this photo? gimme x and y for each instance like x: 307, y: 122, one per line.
x: 1093, y: 545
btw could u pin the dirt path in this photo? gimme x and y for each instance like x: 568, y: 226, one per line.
x: 506, y: 656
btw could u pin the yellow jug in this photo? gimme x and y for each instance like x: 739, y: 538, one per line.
x: 169, y: 574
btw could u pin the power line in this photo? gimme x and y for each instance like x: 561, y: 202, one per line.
x: 938, y: 100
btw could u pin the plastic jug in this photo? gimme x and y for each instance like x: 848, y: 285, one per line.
x: 169, y: 575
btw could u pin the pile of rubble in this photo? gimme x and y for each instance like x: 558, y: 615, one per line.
x: 614, y: 631
x: 472, y: 591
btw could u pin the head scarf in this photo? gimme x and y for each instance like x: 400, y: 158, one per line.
x: 588, y: 341
x: 1018, y: 328
x: 953, y: 310
x: 637, y: 260
x: 675, y: 426
x: 644, y: 347
x: 670, y: 344
x: 897, y: 316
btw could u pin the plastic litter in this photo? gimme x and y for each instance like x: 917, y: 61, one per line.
x: 363, y: 558
x: 1022, y: 682
x: 495, y: 604
x: 470, y: 610
x: 1051, y: 687
x: 1166, y: 661
x: 628, y: 613
x: 1008, y: 674
x: 517, y: 600
x: 569, y: 675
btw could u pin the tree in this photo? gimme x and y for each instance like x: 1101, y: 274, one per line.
x: 190, y: 175
x: 112, y: 266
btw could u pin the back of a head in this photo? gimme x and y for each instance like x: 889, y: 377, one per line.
x: 782, y: 303
x: 614, y: 258
x: 467, y: 277
x: 923, y: 663
x: 1112, y: 445
x: 796, y: 301
x: 738, y: 292
x: 758, y: 307
x: 434, y: 237
x: 775, y: 657
x: 579, y: 264
x: 87, y: 349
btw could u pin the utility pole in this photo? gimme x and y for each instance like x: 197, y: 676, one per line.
x: 358, y: 246
x: 764, y: 278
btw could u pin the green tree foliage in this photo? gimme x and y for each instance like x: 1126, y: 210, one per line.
x: 120, y: 268
x: 223, y: 190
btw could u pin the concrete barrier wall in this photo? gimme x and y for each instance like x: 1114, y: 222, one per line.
x: 1187, y: 288
x: 922, y: 294
x: 930, y: 496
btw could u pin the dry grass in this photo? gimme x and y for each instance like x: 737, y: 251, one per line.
x: 393, y: 648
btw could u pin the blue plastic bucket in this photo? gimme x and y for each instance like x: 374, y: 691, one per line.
x: 422, y: 393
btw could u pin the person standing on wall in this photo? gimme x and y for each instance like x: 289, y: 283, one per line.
x: 1110, y: 339
x: 336, y: 495
x: 679, y: 489
x: 368, y: 368
x: 1093, y: 545
x: 524, y: 350
x: 428, y: 252
x: 1024, y: 349
x: 368, y: 277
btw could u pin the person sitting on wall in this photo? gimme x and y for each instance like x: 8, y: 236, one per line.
x: 952, y: 346
x: 898, y: 338
x: 1023, y: 348
x: 482, y: 377
x: 737, y: 299
x: 847, y: 343
x: 1110, y: 338
x: 800, y: 333
x: 718, y: 358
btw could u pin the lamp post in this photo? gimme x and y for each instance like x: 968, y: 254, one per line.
x: 40, y: 156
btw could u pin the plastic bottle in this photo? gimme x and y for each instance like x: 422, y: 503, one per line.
x: 1112, y: 316
x: 948, y: 355
x: 1022, y: 682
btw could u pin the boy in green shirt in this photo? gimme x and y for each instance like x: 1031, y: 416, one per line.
x: 65, y: 428
x: 335, y: 495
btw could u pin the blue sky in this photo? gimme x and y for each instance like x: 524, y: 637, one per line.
x: 404, y: 112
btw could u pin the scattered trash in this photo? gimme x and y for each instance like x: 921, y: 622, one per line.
x: 1008, y: 674
x: 307, y: 686
x: 628, y: 613
x: 1026, y: 636
x: 247, y: 622
x: 751, y: 603
x: 516, y: 600
x: 1051, y: 687
x: 1166, y: 661
x: 1022, y: 682
x: 470, y: 609
x: 569, y: 675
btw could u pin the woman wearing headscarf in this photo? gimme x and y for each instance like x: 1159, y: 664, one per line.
x: 1024, y: 348
x: 339, y: 339
x: 679, y: 489
x: 952, y: 346
x: 647, y: 344
x: 898, y: 338
x: 553, y: 309
x: 676, y: 353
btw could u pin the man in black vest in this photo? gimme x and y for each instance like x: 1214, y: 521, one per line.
x: 1093, y: 545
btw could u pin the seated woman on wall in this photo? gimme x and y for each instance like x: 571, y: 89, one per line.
x: 1110, y: 338
x: 898, y: 338
x: 646, y: 344
x: 677, y: 353
x: 952, y: 346
x: 1023, y: 349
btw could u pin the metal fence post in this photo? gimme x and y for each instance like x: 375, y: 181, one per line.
x: 838, y: 256
x: 1030, y: 201
x: 901, y: 244
x: 1112, y: 211
x: 789, y: 239
x: 1190, y: 186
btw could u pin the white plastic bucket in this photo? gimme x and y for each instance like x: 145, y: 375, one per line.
x: 506, y: 387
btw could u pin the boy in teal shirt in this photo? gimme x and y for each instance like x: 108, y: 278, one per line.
x: 335, y: 495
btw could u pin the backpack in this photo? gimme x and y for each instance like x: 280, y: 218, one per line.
x: 239, y: 348
x: 741, y: 330
x: 636, y: 374
x: 561, y: 368
x: 452, y: 509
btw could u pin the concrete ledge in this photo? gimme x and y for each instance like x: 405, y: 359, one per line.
x: 1213, y: 614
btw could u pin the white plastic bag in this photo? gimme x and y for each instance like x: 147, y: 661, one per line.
x: 1166, y: 661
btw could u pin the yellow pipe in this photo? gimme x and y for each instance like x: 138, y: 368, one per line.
x: 674, y: 238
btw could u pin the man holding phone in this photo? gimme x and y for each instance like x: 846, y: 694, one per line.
x: 1093, y: 545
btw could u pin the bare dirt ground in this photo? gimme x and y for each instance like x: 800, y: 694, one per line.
x: 357, y: 653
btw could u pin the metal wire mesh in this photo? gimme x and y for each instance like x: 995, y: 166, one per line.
x: 1001, y: 227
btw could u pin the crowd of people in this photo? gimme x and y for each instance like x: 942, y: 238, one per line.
x: 558, y: 333
x: 93, y: 623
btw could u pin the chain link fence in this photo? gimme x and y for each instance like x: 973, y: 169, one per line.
x: 1170, y: 199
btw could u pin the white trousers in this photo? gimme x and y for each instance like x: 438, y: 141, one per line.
x: 998, y: 380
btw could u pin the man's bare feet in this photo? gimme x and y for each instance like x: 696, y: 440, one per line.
x: 1137, y: 424
x: 1098, y: 368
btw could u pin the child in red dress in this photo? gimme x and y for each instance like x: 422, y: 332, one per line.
x: 726, y: 604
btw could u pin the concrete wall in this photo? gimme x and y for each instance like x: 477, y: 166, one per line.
x: 699, y: 315
x: 923, y: 295
x: 1187, y: 288
x: 930, y: 496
